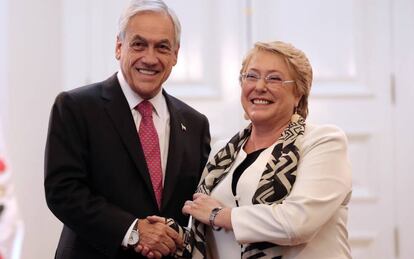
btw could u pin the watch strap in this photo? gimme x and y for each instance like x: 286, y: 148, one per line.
x: 212, y: 217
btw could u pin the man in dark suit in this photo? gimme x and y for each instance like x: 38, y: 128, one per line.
x: 100, y: 179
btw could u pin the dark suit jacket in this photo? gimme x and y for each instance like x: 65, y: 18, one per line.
x: 96, y: 178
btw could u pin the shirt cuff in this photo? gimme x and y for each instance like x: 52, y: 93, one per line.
x: 128, y: 233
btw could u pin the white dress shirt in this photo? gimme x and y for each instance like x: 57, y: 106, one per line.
x: 161, y: 118
x: 311, y: 221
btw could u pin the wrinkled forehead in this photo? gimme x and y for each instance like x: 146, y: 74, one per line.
x: 126, y: 18
x: 152, y: 26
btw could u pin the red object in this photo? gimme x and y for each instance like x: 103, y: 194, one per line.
x: 151, y: 147
x: 2, y: 170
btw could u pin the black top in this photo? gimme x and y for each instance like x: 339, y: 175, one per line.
x: 250, y: 158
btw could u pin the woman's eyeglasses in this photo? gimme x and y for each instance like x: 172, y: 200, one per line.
x: 271, y: 80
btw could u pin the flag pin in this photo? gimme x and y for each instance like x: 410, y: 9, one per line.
x: 183, y: 127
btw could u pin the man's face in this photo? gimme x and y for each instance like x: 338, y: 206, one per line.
x: 148, y: 52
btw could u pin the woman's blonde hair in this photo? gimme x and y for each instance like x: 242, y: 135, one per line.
x: 298, y: 65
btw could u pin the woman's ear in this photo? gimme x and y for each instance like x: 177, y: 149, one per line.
x: 297, y: 101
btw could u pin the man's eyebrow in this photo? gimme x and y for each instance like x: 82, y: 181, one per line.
x: 138, y: 37
x: 164, y: 41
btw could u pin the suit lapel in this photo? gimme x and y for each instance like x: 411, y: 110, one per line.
x: 175, y: 149
x: 118, y: 110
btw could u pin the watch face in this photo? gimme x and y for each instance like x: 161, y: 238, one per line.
x: 133, y: 238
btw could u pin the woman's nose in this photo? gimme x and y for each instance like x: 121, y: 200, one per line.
x: 261, y: 85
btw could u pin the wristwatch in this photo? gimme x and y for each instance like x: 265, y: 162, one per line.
x: 134, y: 237
x: 212, y: 217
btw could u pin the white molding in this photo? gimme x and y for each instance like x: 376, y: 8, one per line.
x: 4, y: 25
x: 76, y: 57
x: 359, y: 238
x: 337, y: 89
x: 402, y: 43
x: 365, y: 183
x: 363, y: 195
x: 192, y: 91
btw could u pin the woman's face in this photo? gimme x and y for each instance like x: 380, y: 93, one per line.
x: 268, y: 102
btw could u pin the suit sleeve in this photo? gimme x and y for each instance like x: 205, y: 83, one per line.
x: 68, y: 192
x: 205, y: 143
x: 322, y: 185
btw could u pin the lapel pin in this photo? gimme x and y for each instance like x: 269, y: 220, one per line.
x: 183, y: 127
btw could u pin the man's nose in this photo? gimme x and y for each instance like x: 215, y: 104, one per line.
x: 150, y: 57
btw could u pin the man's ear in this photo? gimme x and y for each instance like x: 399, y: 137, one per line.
x: 176, y: 54
x: 118, y: 46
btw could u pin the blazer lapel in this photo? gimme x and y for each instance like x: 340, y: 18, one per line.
x: 118, y: 110
x: 175, y: 149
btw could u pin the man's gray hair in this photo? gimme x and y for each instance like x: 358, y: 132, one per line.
x: 137, y: 6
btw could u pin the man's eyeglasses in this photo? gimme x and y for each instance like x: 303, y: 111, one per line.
x: 252, y: 78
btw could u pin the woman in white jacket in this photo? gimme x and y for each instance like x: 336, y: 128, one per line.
x: 279, y: 188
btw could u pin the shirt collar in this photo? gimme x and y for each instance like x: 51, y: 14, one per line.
x: 133, y: 99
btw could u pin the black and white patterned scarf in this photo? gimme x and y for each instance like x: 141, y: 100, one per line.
x: 274, y: 186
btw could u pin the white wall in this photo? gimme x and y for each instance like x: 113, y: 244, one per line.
x: 403, y: 53
x: 31, y: 75
x: 34, y: 79
x: 3, y: 60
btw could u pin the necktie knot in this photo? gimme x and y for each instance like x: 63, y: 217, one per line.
x: 145, y: 108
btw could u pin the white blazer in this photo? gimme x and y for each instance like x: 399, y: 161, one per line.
x: 311, y: 221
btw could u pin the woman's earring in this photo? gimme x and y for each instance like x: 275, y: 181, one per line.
x: 295, y: 117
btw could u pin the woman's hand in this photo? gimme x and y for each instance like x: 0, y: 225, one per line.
x: 201, y: 207
x: 147, y: 251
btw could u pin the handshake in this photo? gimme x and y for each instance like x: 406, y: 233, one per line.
x: 160, y: 236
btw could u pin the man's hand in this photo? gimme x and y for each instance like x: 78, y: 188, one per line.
x: 156, y: 238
